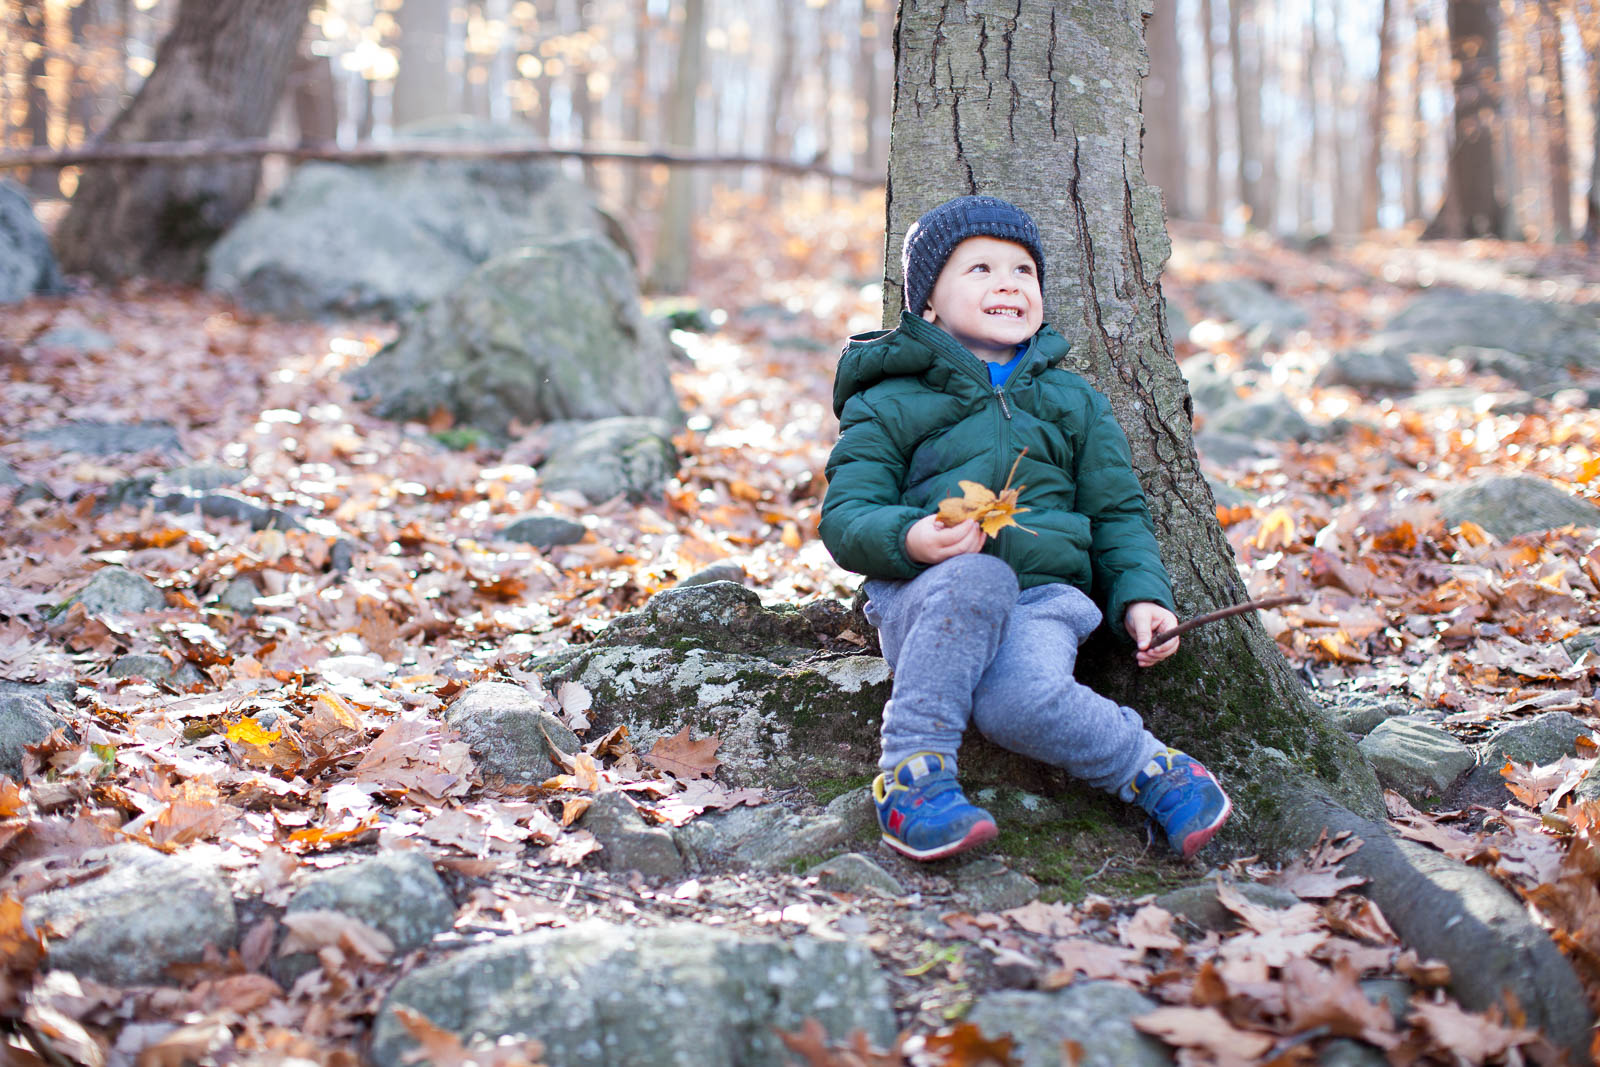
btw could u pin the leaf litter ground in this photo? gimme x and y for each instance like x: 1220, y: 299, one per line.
x: 313, y: 736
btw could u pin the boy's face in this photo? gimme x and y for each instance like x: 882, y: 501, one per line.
x: 987, y: 297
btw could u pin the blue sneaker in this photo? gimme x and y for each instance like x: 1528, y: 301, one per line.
x: 923, y: 814
x: 1183, y: 799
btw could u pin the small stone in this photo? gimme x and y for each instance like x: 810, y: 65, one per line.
x: 1096, y: 1015
x: 155, y: 668
x: 147, y: 912
x: 855, y: 809
x: 61, y: 690
x: 989, y: 885
x: 765, y: 838
x: 545, y: 531
x: 510, y: 732
x: 1348, y: 1052
x: 110, y: 438
x: 75, y: 337
x: 628, y: 843
x: 116, y: 591
x: 1202, y: 907
x: 24, y: 720
x: 239, y: 596
x: 1370, y: 373
x: 853, y: 873
x: 1267, y: 418
x: 396, y: 893
x: 1418, y: 760
x: 717, y: 572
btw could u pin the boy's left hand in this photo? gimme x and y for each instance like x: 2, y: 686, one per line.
x: 1144, y: 618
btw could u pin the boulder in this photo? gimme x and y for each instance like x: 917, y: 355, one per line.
x: 712, y: 657
x: 1097, y: 1015
x: 854, y: 872
x: 155, y: 668
x: 381, y: 240
x: 1554, y: 337
x: 396, y: 893
x: 552, y: 330
x: 1418, y: 760
x: 767, y: 838
x: 1539, y: 740
x: 24, y: 720
x: 510, y: 732
x: 113, y: 934
x: 680, y: 995
x: 26, y: 263
x: 1370, y: 373
x: 629, y: 456
x: 986, y: 884
x: 1252, y: 305
x: 1515, y: 504
x: 110, y: 438
x: 1263, y: 417
x: 75, y: 337
x: 544, y: 531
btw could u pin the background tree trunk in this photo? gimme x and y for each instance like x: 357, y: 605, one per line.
x: 1164, y: 147
x: 1591, y: 221
x: 423, y: 88
x: 1377, y: 121
x: 32, y: 17
x: 669, y: 268
x: 1208, y: 38
x: 992, y: 97
x: 1247, y: 103
x: 1555, y: 118
x: 219, y: 73
x: 1472, y: 206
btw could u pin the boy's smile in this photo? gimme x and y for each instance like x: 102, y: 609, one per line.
x: 987, y: 297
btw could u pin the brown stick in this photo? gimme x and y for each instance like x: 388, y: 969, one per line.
x: 1222, y: 613
x: 211, y: 151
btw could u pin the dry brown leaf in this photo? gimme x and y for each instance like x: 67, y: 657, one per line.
x: 441, y: 1048
x: 992, y: 511
x: 1473, y: 1037
x: 1317, y: 996
x: 683, y: 757
x: 1093, y: 959
x: 315, y: 929
x: 1149, y: 928
x: 1208, y: 1030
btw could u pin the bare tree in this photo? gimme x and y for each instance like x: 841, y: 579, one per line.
x: 1377, y: 120
x: 1213, y: 176
x: 1164, y: 147
x: 1473, y: 206
x: 669, y: 267
x: 218, y: 74
x: 1555, y: 119
x: 423, y: 89
x: 1242, y: 32
x: 32, y: 16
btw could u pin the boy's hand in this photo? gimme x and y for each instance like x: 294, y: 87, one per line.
x: 1144, y: 618
x: 930, y: 541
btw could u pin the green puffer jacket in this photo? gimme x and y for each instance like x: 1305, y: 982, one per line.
x: 917, y: 415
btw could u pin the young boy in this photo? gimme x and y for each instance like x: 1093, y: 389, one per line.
x: 986, y: 630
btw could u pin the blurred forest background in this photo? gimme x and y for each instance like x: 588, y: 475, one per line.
x: 1447, y: 118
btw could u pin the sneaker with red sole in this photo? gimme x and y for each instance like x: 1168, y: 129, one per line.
x: 1183, y: 798
x: 923, y: 813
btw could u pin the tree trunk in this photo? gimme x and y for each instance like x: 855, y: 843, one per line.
x: 311, y: 85
x: 218, y: 74
x: 1247, y: 103
x: 1555, y: 118
x: 990, y: 103
x: 1163, y: 109
x: 1377, y: 121
x: 669, y: 269
x: 1208, y: 37
x: 1472, y: 206
x: 1591, y: 220
x: 1314, y: 173
x: 37, y: 117
x: 779, y: 142
x: 1346, y: 192
x: 635, y: 95
x: 423, y: 88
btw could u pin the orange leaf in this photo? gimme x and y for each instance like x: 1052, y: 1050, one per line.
x: 1277, y: 531
x: 679, y: 755
x: 992, y: 511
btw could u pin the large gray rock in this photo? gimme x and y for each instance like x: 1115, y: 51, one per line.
x: 147, y: 912
x: 1370, y: 373
x: 26, y: 263
x: 396, y: 893
x: 631, y: 456
x: 1251, y: 305
x: 1097, y: 1015
x: 1202, y: 906
x: 384, y: 239
x: 1515, y: 504
x: 24, y: 720
x: 118, y: 591
x: 510, y: 732
x: 628, y: 843
x: 110, y: 438
x: 712, y: 657
x: 547, y: 331
x: 1541, y: 739
x: 684, y: 995
x: 1555, y: 337
x: 854, y: 872
x: 1418, y: 760
x: 767, y: 838
x: 986, y: 884
x: 1263, y: 417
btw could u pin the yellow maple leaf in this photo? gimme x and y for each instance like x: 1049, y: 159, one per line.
x: 251, y: 732
x: 992, y: 511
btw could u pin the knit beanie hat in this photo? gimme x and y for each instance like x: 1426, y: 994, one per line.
x: 935, y: 235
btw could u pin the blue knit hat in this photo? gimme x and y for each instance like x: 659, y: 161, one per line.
x: 935, y: 235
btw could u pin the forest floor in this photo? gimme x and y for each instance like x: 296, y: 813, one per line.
x: 1450, y: 618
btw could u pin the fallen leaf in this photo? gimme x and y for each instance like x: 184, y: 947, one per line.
x: 315, y: 929
x: 441, y: 1048
x: 1208, y: 1030
x: 686, y: 758
x: 1149, y: 928
x: 992, y: 511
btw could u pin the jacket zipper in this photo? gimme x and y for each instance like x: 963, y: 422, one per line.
x: 1005, y: 434
x: 1000, y: 395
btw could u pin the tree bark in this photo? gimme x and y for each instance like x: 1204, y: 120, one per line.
x: 779, y: 141
x: 423, y: 88
x: 1039, y: 103
x: 1377, y: 121
x: 1472, y: 205
x: 37, y: 118
x: 1208, y: 37
x: 1591, y: 223
x: 669, y: 268
x: 218, y: 73
x: 1164, y: 142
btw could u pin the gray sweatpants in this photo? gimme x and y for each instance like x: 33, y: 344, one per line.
x: 966, y: 646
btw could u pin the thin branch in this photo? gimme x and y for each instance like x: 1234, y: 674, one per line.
x: 215, y: 150
x: 1222, y: 613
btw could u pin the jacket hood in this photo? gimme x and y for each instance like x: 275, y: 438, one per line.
x: 918, y: 348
